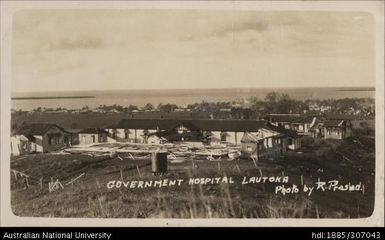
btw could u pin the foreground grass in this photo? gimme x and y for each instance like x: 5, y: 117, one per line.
x: 89, y: 196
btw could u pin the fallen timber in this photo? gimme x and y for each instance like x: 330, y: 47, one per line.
x: 138, y: 151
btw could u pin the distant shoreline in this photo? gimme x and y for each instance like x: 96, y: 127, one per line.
x: 342, y: 88
x: 53, y: 97
x: 356, y: 89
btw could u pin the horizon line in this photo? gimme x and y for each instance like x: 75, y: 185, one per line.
x: 165, y: 89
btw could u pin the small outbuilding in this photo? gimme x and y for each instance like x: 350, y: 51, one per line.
x: 92, y: 135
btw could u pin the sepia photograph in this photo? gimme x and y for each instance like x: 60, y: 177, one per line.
x: 183, y: 112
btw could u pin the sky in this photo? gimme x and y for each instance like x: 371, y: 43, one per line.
x: 58, y: 50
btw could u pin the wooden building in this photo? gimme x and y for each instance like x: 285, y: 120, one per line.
x: 39, y: 137
x: 92, y: 135
x: 337, y: 129
x: 292, y: 140
x: 301, y: 124
x: 227, y: 132
x: 265, y: 144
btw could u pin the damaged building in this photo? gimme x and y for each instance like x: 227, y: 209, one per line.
x: 39, y: 137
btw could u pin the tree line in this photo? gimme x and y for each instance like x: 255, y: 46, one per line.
x: 273, y: 102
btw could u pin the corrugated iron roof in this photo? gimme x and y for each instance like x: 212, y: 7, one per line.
x: 318, y: 124
x: 284, y: 131
x: 193, y: 124
x: 291, y: 118
x: 333, y: 123
x: 93, y: 131
x: 248, y: 137
x: 36, y: 128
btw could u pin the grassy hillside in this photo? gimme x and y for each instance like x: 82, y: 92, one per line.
x: 348, y: 161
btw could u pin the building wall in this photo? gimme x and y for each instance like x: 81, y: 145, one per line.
x: 249, y: 149
x: 123, y: 135
x: 234, y: 138
x: 154, y: 140
x: 145, y: 138
x: 293, y: 143
x: 317, y: 133
x: 138, y: 135
x: 57, y: 142
x: 268, y: 148
x: 338, y: 132
x: 348, y: 132
x: 284, y: 144
x: 302, y: 128
x: 86, y: 138
x: 118, y: 135
x: 216, y: 134
x: 110, y: 139
x: 16, y: 145
x: 37, y: 146
x: 133, y: 135
x: 74, y: 139
x: 20, y: 145
x: 333, y: 133
x: 271, y: 149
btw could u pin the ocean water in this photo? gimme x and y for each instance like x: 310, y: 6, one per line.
x: 181, y: 97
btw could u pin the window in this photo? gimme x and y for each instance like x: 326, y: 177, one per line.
x: 223, y: 136
x: 93, y: 138
x: 182, y: 129
x: 55, y: 140
x: 145, y: 133
x: 290, y: 141
x: 126, y: 135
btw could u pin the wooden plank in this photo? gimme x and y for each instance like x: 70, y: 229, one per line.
x: 73, y: 180
x: 137, y: 168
